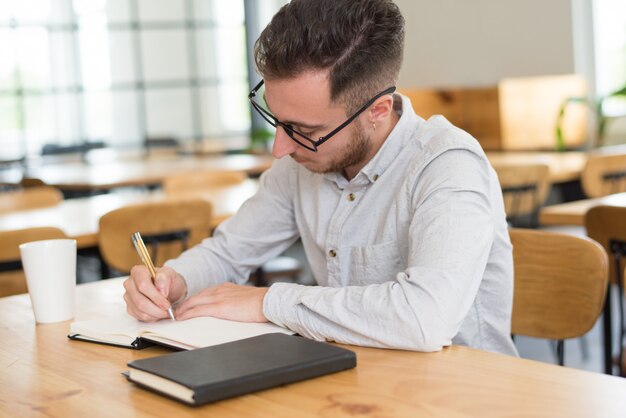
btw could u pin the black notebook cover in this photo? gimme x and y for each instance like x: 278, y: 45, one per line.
x: 223, y: 371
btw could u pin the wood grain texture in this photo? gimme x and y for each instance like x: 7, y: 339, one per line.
x: 560, y: 284
x: 46, y: 375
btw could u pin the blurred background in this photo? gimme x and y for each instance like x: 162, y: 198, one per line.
x: 93, y: 73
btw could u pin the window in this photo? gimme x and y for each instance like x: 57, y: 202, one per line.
x: 610, y: 52
x: 118, y: 71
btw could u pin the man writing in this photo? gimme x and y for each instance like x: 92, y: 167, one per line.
x: 401, y: 219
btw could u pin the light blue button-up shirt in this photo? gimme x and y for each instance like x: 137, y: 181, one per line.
x: 412, y: 253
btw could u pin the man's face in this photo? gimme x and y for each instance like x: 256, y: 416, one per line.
x: 304, y: 102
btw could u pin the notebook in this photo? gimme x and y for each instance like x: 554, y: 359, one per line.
x: 213, y: 373
x: 124, y: 330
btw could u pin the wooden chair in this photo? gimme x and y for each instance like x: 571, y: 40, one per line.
x: 168, y: 228
x: 12, y: 279
x: 198, y: 181
x: 604, y: 175
x: 29, y: 198
x: 201, y: 181
x: 560, y: 285
x: 525, y: 188
x: 607, y: 225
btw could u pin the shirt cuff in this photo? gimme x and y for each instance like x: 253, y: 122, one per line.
x: 280, y: 304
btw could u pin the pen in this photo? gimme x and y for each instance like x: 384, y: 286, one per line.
x: 147, y: 261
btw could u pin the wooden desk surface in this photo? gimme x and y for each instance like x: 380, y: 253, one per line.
x: 564, y: 166
x: 78, y: 175
x: 79, y: 218
x: 573, y: 213
x: 46, y: 375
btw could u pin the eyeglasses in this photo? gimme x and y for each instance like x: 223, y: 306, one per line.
x: 299, y: 137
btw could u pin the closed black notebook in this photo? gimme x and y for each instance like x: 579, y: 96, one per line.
x: 223, y: 371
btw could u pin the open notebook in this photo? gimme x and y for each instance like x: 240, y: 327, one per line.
x: 124, y: 330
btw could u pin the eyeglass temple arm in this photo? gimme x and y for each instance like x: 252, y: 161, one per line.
x: 351, y: 118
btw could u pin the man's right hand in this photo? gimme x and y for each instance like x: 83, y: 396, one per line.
x: 148, y: 300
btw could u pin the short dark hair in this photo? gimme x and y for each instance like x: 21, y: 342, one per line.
x: 360, y: 42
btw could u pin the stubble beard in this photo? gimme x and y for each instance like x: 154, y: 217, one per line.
x: 356, y: 151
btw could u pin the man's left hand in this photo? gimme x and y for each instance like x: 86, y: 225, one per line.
x: 225, y: 301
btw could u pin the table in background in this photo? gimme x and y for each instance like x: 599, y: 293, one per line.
x: 573, y: 213
x: 78, y: 176
x: 79, y: 217
x: 564, y: 166
x: 45, y: 374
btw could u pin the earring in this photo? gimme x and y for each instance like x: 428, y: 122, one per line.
x: 374, y: 125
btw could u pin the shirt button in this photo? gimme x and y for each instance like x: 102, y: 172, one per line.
x: 376, y: 177
x: 351, y: 197
x: 332, y: 253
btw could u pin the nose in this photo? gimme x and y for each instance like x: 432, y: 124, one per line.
x: 283, y: 145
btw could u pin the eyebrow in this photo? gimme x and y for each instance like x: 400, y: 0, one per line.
x: 293, y: 122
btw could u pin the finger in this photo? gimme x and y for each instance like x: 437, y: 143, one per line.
x: 136, y: 313
x: 145, y: 286
x: 204, y: 298
x: 197, y: 311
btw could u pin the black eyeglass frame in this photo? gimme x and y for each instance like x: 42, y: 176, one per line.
x: 272, y: 120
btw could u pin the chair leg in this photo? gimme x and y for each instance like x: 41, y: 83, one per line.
x: 560, y: 352
x: 607, y: 325
x: 620, y: 287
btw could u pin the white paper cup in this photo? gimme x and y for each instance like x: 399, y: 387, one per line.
x: 50, y: 269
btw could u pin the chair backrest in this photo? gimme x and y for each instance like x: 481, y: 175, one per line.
x: 174, y: 225
x: 198, y: 181
x: 525, y: 188
x: 607, y: 225
x: 29, y: 198
x: 11, y: 275
x: 604, y: 175
x: 560, y: 284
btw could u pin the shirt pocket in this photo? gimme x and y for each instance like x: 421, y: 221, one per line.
x: 377, y: 263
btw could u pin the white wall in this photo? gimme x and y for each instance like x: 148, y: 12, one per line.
x: 469, y: 43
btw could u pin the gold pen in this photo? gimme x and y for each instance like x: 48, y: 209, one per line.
x: 147, y: 261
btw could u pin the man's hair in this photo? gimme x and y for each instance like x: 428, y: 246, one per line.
x: 360, y: 43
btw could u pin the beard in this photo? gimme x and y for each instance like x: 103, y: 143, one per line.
x: 355, y: 152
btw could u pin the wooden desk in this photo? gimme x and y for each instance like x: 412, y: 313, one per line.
x: 564, y: 166
x: 78, y: 218
x: 45, y: 374
x: 79, y: 176
x: 573, y: 213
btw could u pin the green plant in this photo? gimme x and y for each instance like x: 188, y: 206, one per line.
x: 261, y: 138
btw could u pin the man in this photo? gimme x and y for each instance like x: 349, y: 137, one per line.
x: 401, y: 219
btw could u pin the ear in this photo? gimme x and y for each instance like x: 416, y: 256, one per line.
x: 381, y: 109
